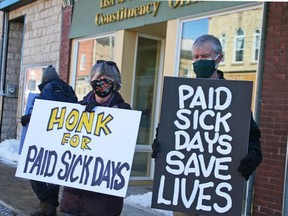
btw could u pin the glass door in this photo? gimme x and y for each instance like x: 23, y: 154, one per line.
x: 145, y: 93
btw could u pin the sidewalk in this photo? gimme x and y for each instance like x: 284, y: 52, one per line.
x: 16, y: 194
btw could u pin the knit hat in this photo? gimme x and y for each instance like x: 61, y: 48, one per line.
x: 49, y: 74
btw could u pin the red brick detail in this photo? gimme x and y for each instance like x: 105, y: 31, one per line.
x: 65, y: 49
x: 269, y: 182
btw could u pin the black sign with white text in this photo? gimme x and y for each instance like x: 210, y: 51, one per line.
x: 203, y: 135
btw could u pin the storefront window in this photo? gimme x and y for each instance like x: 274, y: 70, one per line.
x: 190, y: 31
x: 239, y: 38
x: 141, y: 164
x: 33, y: 78
x: 147, y: 67
x: 89, y: 51
x: 144, y: 99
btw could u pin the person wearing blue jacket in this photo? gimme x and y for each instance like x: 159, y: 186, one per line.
x: 54, y: 89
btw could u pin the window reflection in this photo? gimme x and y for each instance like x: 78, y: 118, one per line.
x: 33, y: 77
x: 256, y: 45
x: 89, y: 51
x: 239, y: 45
x: 239, y: 37
x: 147, y: 67
x: 191, y: 30
x: 223, y: 43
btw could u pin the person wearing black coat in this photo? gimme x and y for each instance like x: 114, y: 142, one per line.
x: 207, y: 54
x: 105, y: 81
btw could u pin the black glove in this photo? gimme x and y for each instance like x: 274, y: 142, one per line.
x: 155, y: 148
x: 25, y: 119
x: 247, y: 165
x: 89, y: 105
x: 155, y: 145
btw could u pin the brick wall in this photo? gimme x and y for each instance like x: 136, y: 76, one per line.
x: 269, y: 184
x: 65, y: 44
x: 42, y: 34
x: 8, y: 129
x: 41, y: 41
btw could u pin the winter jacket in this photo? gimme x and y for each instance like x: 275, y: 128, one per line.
x: 87, y: 203
x: 116, y: 101
x: 57, y: 90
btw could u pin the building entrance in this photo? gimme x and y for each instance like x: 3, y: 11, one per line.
x: 147, y: 75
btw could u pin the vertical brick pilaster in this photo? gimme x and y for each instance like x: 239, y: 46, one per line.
x: 269, y: 184
x: 65, y: 48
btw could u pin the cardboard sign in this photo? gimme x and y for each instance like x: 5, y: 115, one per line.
x: 87, y: 150
x: 28, y: 110
x: 203, y: 135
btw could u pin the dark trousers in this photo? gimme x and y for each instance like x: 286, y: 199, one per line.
x: 46, y: 192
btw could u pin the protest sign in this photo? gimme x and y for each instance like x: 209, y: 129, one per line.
x: 87, y: 150
x: 203, y: 135
x: 28, y: 111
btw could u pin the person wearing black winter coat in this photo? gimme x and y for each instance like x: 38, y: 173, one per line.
x: 207, y: 54
x: 105, y: 81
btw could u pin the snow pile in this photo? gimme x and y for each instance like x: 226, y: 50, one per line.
x: 9, y: 152
x: 143, y: 201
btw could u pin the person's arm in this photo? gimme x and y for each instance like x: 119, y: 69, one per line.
x: 155, y: 145
x: 25, y: 119
x: 254, y: 146
x: 254, y: 156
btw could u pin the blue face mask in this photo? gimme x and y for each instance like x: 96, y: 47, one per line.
x: 204, y: 68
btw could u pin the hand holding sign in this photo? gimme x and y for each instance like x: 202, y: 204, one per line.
x: 155, y: 145
x: 247, y: 165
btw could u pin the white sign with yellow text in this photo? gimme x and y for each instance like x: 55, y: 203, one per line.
x: 87, y: 150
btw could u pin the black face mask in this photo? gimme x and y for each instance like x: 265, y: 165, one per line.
x: 204, y: 68
x: 102, y: 87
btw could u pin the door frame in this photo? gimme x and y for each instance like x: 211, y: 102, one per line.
x: 158, y: 84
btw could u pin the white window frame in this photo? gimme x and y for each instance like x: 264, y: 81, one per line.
x: 83, y: 62
x: 223, y: 41
x: 236, y: 38
x: 255, y: 45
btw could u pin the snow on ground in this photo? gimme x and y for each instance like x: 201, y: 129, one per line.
x: 144, y: 201
x: 9, y: 152
x: 9, y: 155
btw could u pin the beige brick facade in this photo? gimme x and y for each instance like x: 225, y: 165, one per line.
x: 34, y: 41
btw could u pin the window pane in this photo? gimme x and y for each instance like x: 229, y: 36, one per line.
x: 239, y: 55
x: 141, y: 164
x: 88, y: 52
x: 191, y: 30
x: 147, y: 67
x: 256, y: 45
x: 33, y: 79
x: 240, y: 32
x: 223, y: 43
x: 240, y: 43
x: 237, y: 44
